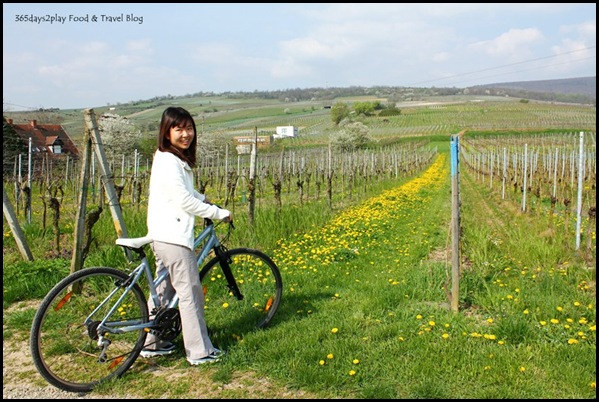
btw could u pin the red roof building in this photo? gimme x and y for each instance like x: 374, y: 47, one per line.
x: 49, y: 138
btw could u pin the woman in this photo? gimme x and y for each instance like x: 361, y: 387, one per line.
x: 172, y: 206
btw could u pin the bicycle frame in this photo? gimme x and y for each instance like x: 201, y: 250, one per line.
x: 208, y: 235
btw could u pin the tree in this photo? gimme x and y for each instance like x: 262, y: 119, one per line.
x: 339, y: 111
x: 119, y: 136
x: 351, y: 137
x: 12, y: 145
x: 365, y: 108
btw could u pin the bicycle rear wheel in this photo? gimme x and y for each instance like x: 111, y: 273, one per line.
x: 259, y: 281
x: 64, y: 336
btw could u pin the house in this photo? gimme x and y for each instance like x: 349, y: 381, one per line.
x: 49, y: 138
x: 286, y: 131
x: 244, y: 143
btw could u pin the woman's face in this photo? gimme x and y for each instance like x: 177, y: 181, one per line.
x: 181, y: 137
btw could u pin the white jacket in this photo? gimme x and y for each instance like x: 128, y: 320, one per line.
x: 173, y: 203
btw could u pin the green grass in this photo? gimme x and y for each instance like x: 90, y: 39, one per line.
x: 365, y: 313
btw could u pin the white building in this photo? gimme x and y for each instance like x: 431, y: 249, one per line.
x: 286, y: 131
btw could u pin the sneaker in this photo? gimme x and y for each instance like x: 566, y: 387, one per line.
x: 211, y: 358
x: 167, y: 349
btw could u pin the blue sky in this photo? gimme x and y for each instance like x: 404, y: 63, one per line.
x: 178, y: 49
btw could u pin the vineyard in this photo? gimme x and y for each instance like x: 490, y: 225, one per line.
x: 361, y: 237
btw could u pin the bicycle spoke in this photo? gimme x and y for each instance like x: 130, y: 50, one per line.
x: 259, y: 282
x: 64, y: 339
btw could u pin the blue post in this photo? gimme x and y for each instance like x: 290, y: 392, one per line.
x: 455, y: 225
x: 454, y: 155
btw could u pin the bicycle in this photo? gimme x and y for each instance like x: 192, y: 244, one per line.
x: 92, y: 325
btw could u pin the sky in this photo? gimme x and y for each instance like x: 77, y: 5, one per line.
x: 86, y: 55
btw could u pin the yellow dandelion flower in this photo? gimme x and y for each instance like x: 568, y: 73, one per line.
x: 322, y: 362
x: 431, y: 323
x: 330, y: 356
x: 522, y: 369
x: 356, y: 361
x: 352, y: 372
x: 487, y: 368
x: 490, y: 320
x: 445, y: 335
x: 335, y: 330
x: 543, y: 323
x: 501, y: 342
x: 593, y: 385
x: 572, y: 341
x: 525, y: 311
x: 225, y: 305
x: 582, y: 321
x: 418, y: 317
x: 554, y: 321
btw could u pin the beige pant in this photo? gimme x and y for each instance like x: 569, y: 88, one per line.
x: 185, y: 281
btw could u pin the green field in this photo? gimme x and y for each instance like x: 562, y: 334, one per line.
x: 367, y: 273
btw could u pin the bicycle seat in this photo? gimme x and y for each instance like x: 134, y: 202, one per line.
x: 134, y: 242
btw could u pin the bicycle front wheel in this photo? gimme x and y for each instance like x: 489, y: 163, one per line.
x: 259, y: 281
x: 64, y: 333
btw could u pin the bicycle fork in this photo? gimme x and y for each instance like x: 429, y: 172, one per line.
x: 224, y: 262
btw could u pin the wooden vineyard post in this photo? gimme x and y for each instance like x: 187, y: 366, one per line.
x: 113, y: 200
x: 455, y: 225
x: 77, y: 259
x: 17, y: 233
x: 252, y: 181
x: 92, y: 132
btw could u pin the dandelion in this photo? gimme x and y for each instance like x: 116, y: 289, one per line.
x: 418, y: 317
x: 487, y: 368
x: 572, y: 341
x: 560, y: 308
x: 582, y: 321
x: 431, y: 323
x: 522, y: 369
x: 225, y: 305
x: 554, y: 321
x: 322, y: 362
x: 543, y: 323
x: 356, y: 361
x: 593, y: 385
x: 525, y: 311
x: 335, y: 330
x: 330, y: 356
x: 445, y: 335
x: 490, y: 320
x: 352, y: 372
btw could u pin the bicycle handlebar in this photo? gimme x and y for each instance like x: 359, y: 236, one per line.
x: 208, y: 221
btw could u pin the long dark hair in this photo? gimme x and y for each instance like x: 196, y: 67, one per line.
x: 177, y: 117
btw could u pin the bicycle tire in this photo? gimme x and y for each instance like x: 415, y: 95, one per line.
x: 61, y: 344
x: 260, y: 283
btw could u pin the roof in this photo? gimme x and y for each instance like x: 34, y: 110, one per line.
x: 44, y: 136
